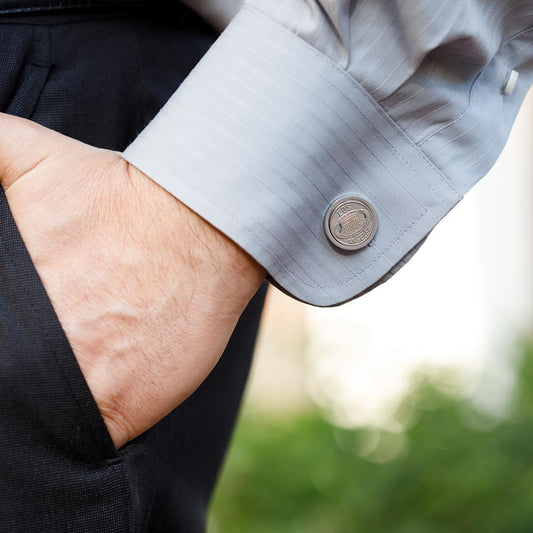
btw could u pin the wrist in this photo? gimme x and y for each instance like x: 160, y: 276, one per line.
x: 228, y: 274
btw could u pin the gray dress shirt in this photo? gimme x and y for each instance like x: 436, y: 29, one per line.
x: 404, y: 104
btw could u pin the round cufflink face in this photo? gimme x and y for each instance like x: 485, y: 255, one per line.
x: 350, y: 222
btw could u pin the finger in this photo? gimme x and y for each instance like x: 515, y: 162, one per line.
x: 24, y: 145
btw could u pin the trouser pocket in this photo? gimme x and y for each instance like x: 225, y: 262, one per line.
x: 58, y: 466
x: 23, y: 74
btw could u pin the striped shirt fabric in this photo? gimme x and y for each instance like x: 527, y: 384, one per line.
x: 404, y: 103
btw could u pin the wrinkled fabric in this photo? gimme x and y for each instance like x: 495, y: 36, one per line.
x: 400, y: 102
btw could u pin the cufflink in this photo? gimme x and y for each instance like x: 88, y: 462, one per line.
x: 350, y: 222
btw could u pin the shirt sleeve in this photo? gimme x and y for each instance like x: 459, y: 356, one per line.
x: 402, y: 104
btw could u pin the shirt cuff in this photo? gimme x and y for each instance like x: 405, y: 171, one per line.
x: 265, y: 134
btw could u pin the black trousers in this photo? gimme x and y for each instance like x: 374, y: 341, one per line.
x: 98, y: 76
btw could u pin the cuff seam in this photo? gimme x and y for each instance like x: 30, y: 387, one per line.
x: 249, y: 230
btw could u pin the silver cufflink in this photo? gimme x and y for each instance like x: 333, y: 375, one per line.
x: 350, y: 222
x: 511, y: 83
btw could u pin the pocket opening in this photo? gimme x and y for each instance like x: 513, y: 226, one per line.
x: 68, y: 390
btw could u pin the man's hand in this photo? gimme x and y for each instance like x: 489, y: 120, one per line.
x: 148, y: 293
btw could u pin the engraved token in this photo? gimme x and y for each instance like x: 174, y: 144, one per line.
x: 351, y: 222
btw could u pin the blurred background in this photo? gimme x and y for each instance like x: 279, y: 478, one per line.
x: 410, y: 409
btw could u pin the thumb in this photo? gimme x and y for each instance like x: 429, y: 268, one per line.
x: 24, y: 145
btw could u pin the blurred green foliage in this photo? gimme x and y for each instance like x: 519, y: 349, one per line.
x: 451, y: 471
